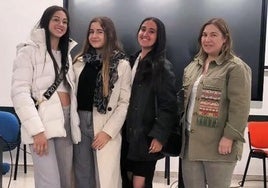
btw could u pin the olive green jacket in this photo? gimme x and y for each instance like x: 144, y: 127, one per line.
x: 221, y: 107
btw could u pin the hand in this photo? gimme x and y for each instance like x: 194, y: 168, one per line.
x: 225, y: 146
x: 100, y: 140
x: 40, y: 145
x: 155, y: 146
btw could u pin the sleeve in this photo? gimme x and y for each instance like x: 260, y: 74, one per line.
x: 167, y: 106
x: 239, y: 96
x: 21, y: 91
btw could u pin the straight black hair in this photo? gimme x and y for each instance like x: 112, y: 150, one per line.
x: 64, y: 40
x: 159, y: 48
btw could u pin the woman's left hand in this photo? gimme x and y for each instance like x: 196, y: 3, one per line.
x: 155, y: 146
x: 225, y: 146
x: 100, y: 140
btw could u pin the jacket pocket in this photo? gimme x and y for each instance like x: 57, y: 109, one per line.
x: 214, y: 83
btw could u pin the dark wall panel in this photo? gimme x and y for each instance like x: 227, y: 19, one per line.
x: 183, y: 20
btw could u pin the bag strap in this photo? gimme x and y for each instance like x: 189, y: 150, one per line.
x: 49, y: 92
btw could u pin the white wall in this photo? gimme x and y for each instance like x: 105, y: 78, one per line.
x: 18, y: 17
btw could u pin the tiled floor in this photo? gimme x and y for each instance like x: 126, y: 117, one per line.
x: 27, y: 180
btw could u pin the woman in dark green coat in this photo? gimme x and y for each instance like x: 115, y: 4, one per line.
x: 217, y: 90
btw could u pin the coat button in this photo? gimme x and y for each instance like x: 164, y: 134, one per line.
x: 109, y: 109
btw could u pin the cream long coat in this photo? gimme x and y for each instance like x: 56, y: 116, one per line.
x: 108, y: 158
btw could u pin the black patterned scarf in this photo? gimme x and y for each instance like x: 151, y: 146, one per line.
x: 101, y: 102
x: 93, y: 59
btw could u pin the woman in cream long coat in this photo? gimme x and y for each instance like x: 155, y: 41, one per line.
x: 102, y: 106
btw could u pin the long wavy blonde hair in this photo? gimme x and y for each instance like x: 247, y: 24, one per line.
x: 110, y: 45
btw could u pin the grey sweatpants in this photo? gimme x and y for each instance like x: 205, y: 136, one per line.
x: 54, y: 170
x: 86, y: 175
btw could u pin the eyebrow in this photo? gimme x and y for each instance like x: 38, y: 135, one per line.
x: 58, y: 17
x: 213, y: 32
x: 97, y: 29
x: 150, y: 28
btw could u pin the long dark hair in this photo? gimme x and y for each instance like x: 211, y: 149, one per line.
x: 159, y: 48
x: 64, y: 40
x: 158, y: 52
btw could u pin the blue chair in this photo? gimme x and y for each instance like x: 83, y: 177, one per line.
x: 12, y: 110
x: 5, y: 168
x: 9, y: 134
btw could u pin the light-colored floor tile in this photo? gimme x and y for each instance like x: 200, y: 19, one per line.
x: 22, y: 181
x: 251, y: 181
x: 27, y: 180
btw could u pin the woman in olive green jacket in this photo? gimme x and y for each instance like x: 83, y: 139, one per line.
x: 217, y: 87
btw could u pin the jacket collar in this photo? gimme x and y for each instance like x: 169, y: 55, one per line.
x: 219, y: 61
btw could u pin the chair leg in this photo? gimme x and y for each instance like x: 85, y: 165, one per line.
x: 246, y: 170
x: 264, y: 172
x: 167, y: 169
x: 25, y: 158
x: 180, y: 178
x: 165, y: 175
x: 17, y: 162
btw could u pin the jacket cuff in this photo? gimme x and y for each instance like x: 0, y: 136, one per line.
x: 234, y: 134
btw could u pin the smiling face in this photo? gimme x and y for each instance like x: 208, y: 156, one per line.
x: 96, y: 36
x: 58, y: 24
x: 212, y: 40
x: 147, y: 35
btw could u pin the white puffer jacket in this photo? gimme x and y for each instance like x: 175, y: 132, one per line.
x: 33, y: 73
